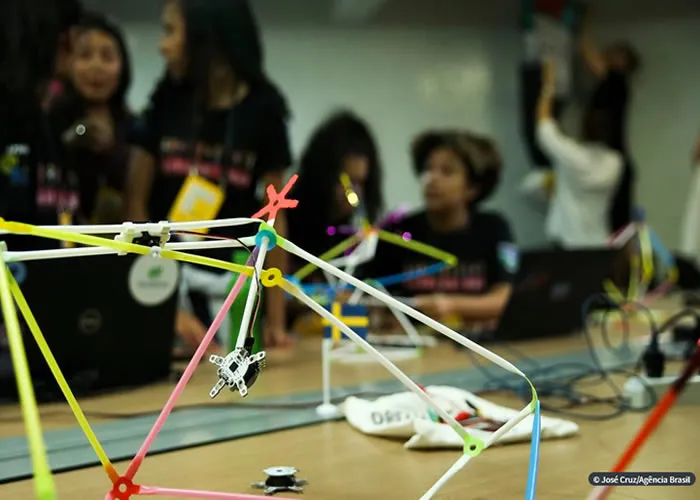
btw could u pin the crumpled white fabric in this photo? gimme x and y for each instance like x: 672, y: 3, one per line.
x: 404, y: 415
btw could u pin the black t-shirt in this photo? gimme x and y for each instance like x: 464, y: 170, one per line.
x: 238, y: 148
x: 313, y: 232
x: 612, y: 94
x: 485, y: 250
x: 35, y: 185
x: 95, y: 170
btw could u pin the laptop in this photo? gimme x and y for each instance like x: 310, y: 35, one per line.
x: 550, y: 290
x: 109, y: 321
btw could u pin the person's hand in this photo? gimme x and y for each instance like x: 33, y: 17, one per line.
x: 275, y: 337
x: 437, y: 306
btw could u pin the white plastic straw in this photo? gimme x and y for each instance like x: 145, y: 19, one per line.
x: 253, y: 289
x: 151, y: 227
x: 62, y: 253
x: 381, y: 359
x: 392, y: 302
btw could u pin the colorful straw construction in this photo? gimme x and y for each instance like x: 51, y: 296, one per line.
x: 124, y: 486
x: 642, y: 265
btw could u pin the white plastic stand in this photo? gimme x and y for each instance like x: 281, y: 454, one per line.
x: 326, y: 409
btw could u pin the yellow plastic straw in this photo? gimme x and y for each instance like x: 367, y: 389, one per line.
x: 43, y: 480
x: 60, y: 379
x: 647, y: 256
x: 329, y: 255
x: 418, y: 247
x: 86, y: 239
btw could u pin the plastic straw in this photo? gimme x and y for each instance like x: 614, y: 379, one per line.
x: 187, y: 375
x: 652, y: 423
x: 148, y: 227
x: 380, y: 358
x: 61, y: 381
x: 174, y: 492
x: 475, y: 449
x: 43, y: 481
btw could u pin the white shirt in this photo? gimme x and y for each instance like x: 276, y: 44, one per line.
x: 587, y: 176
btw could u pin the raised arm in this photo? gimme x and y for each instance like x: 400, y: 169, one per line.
x: 562, y: 149
x: 592, y: 55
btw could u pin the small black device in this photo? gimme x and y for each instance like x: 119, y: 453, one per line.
x: 280, y: 479
x: 109, y: 321
x: 549, y: 291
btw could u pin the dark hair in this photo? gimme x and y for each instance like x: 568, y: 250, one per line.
x: 597, y: 127
x: 71, y: 102
x: 633, y: 61
x: 218, y: 30
x: 321, y: 163
x: 479, y: 154
x: 29, y: 37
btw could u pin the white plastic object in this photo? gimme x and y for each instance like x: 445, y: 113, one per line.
x: 637, y: 390
x: 327, y: 411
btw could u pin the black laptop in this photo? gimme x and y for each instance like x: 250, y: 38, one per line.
x: 550, y: 290
x: 109, y: 320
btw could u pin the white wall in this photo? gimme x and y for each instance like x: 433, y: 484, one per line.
x: 406, y: 79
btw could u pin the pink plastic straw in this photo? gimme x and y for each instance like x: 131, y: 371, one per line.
x: 187, y: 375
x: 155, y: 490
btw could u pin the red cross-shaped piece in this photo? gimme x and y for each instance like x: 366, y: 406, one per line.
x: 277, y: 201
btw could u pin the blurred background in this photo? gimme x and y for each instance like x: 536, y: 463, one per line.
x: 409, y: 65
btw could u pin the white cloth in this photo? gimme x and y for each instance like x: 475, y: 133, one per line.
x: 404, y: 415
x: 587, y: 177
x: 690, y: 235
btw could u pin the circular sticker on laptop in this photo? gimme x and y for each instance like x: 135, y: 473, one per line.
x: 152, y: 281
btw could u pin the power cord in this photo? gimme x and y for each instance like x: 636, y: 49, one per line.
x: 566, y: 388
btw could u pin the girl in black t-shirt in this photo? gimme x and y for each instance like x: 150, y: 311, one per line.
x: 93, y: 120
x: 613, y: 69
x: 34, y: 188
x: 458, y: 171
x: 215, y: 115
x: 342, y: 144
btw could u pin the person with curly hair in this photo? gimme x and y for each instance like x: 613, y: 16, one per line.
x: 458, y: 171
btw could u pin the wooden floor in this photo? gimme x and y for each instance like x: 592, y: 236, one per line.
x: 340, y: 463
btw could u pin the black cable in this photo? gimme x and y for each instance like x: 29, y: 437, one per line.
x: 560, y: 385
x: 258, y: 296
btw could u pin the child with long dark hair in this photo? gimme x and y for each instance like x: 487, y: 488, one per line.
x: 93, y: 118
x: 34, y: 186
x: 214, y: 118
x: 342, y: 144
